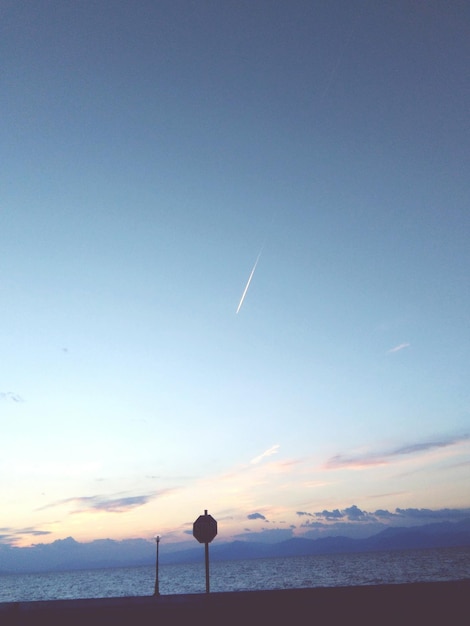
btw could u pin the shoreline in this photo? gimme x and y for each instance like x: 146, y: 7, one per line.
x: 427, y: 603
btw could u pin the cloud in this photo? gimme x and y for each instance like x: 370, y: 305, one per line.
x: 428, y: 445
x: 329, y: 515
x: 383, y: 458
x: 115, y: 505
x: 109, y: 504
x: 10, y: 396
x: 358, y: 523
x: 354, y: 514
x: 430, y: 515
x: 266, y: 453
x: 10, y: 535
x: 383, y: 514
x: 302, y: 513
x: 401, y: 346
x: 256, y: 516
x: 386, y: 494
x: 345, y: 528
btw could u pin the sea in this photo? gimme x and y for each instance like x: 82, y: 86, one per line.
x: 370, y: 568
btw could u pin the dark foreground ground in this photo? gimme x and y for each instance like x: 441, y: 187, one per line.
x: 446, y: 603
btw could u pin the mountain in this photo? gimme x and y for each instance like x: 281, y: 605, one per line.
x: 445, y: 534
x: 68, y: 554
x: 442, y: 534
x: 437, y: 535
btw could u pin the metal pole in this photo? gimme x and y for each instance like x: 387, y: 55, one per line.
x: 207, y: 567
x: 157, y: 591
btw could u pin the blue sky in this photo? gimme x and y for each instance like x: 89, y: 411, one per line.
x: 151, y: 153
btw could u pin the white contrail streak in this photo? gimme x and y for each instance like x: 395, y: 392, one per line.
x: 249, y: 281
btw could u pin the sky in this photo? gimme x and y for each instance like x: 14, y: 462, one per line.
x: 234, y: 266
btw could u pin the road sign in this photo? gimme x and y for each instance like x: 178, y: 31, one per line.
x: 205, y: 528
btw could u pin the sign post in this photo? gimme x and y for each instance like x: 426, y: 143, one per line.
x: 204, y: 530
x: 157, y: 590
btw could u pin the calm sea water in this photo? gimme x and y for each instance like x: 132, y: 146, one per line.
x: 276, y: 573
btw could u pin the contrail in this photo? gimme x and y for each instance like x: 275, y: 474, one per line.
x: 249, y: 281
x: 341, y: 53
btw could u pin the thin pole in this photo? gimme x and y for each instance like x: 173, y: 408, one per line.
x: 207, y: 567
x: 157, y: 590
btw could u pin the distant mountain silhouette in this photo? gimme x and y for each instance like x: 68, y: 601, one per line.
x: 68, y: 554
x: 441, y: 534
x: 437, y: 535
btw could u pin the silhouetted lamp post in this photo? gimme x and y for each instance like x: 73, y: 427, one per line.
x: 157, y: 591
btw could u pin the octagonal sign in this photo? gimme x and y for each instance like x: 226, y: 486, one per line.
x: 205, y: 528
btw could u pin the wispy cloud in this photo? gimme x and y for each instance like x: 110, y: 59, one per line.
x: 372, y: 458
x: 10, y: 535
x: 400, y: 346
x: 272, y: 450
x: 10, y: 396
x: 118, y: 503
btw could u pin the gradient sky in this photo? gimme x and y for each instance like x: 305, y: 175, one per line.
x: 151, y: 153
